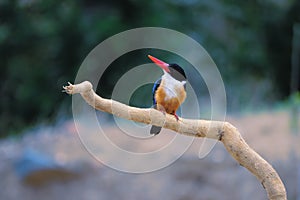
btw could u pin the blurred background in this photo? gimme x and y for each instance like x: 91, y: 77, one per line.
x: 255, y: 44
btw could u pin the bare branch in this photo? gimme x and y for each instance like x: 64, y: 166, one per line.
x: 222, y: 131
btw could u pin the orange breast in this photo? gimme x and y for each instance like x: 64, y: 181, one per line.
x: 169, y: 105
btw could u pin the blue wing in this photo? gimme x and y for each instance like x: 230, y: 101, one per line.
x: 155, y: 86
x: 155, y: 129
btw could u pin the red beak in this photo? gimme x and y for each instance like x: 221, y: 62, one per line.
x: 161, y: 64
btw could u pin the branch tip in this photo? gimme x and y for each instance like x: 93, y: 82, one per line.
x: 68, y: 89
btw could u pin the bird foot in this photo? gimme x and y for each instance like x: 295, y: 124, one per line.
x: 163, y: 111
x: 176, y: 116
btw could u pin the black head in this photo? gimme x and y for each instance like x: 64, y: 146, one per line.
x: 177, y: 72
x: 173, y: 69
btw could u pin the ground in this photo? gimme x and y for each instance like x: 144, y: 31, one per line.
x: 216, y: 176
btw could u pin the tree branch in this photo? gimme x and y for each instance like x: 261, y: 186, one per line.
x: 222, y: 131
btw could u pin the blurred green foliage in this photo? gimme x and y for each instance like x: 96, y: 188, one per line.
x: 43, y: 43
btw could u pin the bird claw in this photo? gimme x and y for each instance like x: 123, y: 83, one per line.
x: 163, y: 111
x: 176, y: 116
x: 160, y: 108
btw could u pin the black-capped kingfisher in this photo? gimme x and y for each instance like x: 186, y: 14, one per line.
x: 168, y: 91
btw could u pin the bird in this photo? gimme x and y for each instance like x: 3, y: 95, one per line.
x: 169, y: 92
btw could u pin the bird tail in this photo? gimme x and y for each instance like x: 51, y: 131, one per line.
x: 155, y: 130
